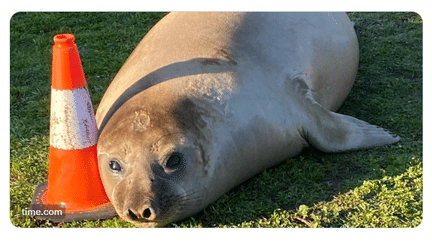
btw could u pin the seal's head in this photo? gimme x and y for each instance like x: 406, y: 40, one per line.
x: 152, y: 157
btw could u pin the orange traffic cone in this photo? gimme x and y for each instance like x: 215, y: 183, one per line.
x: 74, y: 187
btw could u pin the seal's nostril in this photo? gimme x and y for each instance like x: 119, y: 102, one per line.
x: 147, y: 213
x: 132, y: 216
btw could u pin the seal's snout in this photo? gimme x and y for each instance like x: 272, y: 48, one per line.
x: 145, y: 212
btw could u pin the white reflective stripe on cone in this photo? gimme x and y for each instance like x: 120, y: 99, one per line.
x: 72, y: 124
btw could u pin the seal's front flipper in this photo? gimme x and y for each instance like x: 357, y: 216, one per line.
x: 333, y: 132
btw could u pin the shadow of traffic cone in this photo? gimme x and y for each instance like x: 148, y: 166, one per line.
x: 74, y: 186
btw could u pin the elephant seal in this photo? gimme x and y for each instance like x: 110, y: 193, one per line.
x: 207, y: 100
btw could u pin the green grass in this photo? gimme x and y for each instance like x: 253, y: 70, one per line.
x: 381, y: 187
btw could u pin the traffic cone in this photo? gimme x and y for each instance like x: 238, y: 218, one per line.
x: 74, y: 186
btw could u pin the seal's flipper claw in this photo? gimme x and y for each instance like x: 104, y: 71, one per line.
x: 337, y: 132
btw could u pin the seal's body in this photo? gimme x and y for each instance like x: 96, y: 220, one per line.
x: 207, y: 100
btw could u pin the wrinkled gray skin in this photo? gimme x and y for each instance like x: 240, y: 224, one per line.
x: 207, y: 100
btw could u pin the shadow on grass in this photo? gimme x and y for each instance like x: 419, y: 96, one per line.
x: 312, y: 177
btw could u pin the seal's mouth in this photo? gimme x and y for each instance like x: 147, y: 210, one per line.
x: 147, y: 224
x: 168, y: 209
x: 148, y: 209
x: 151, y: 216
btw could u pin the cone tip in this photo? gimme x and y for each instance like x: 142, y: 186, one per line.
x: 64, y: 39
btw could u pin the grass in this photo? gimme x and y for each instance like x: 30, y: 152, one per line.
x: 381, y: 187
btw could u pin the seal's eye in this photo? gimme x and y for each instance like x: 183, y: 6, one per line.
x: 115, y: 166
x: 174, y: 161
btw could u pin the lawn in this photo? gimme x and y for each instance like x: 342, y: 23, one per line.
x: 380, y: 187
